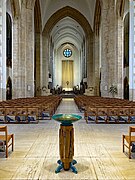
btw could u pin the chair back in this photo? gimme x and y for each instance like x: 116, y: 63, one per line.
x: 4, y: 130
x: 131, y: 129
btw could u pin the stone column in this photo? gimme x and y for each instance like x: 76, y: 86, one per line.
x: 96, y: 64
x: 44, y: 63
x: 37, y: 65
x: 132, y: 52
x: 82, y: 62
x: 15, y: 62
x: 119, y: 57
x: 89, y: 46
x: 107, y: 47
x: 23, y: 54
x: 29, y: 91
x: 51, y: 64
x: 2, y: 50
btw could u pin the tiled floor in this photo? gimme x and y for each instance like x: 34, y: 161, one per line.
x: 97, y: 149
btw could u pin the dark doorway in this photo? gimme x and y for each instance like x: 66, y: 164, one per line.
x: 9, y: 89
x: 126, y: 88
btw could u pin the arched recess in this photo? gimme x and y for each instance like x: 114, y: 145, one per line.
x: 8, y: 41
x: 9, y: 89
x: 77, y: 16
x: 8, y: 56
x: 37, y: 25
x: 126, y: 56
x: 126, y: 88
x: 70, y: 12
x: 126, y: 40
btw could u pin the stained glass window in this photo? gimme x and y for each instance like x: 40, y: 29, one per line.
x: 67, y: 53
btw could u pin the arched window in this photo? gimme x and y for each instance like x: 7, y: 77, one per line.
x: 126, y: 40
x: 9, y: 40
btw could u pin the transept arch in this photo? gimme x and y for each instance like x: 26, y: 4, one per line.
x: 71, y: 12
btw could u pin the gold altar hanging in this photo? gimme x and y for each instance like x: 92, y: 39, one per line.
x: 67, y: 74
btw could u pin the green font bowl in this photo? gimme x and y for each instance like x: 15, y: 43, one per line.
x: 66, y: 119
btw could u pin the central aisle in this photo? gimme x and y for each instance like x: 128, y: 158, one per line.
x: 68, y: 105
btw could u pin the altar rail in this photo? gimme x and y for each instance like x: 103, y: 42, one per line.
x: 28, y: 110
x: 106, y: 110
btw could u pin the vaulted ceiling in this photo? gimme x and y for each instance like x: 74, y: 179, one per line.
x: 86, y: 7
x: 67, y: 29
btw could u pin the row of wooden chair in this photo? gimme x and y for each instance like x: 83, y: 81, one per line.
x: 82, y: 101
x: 46, y: 100
x: 107, y: 110
x: 19, y: 114
x: 28, y: 110
x: 110, y: 114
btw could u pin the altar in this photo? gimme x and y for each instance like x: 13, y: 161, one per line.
x: 67, y: 89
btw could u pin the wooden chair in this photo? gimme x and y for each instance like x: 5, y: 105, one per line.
x: 102, y: 113
x: 124, y: 114
x: 21, y: 115
x: 32, y: 113
x: 2, y: 114
x: 90, y: 113
x: 128, y: 140
x: 11, y: 114
x: 8, y: 139
x: 132, y: 114
x: 113, y: 114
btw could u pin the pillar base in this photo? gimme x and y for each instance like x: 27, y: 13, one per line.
x: 61, y: 166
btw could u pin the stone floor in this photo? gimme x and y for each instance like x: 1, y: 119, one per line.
x: 97, y: 149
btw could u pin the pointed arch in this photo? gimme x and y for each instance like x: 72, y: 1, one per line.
x: 70, y: 12
x: 52, y: 21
